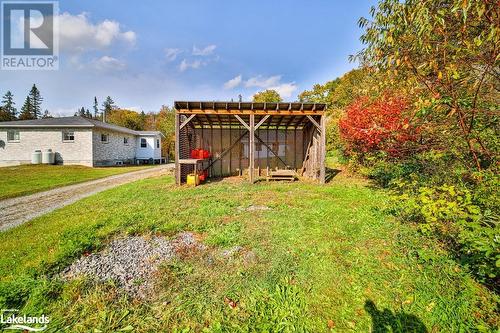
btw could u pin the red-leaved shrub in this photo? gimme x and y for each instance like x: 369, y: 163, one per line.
x: 378, y: 125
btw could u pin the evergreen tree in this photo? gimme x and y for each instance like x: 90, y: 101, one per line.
x: 27, y: 110
x: 96, y: 107
x: 88, y: 114
x: 46, y: 114
x: 81, y: 112
x: 8, y: 106
x: 107, y: 106
x: 36, y: 102
x: 143, y: 119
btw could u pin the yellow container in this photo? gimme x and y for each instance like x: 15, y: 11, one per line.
x: 193, y: 179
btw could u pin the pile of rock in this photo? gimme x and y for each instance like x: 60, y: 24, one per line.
x: 132, y: 261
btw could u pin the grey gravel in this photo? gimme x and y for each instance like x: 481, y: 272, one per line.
x: 132, y: 261
x: 249, y: 257
x: 229, y: 253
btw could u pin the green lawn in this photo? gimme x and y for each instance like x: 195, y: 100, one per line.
x: 329, y: 258
x: 27, y: 179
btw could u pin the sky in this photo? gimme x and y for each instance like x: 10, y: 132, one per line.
x: 145, y: 54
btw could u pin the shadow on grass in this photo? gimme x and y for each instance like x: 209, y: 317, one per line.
x: 388, y: 321
x: 330, y: 174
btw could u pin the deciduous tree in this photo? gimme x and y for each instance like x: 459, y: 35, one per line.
x: 379, y: 125
x: 268, y: 95
x: 450, y: 48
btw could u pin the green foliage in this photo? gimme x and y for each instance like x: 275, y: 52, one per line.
x: 125, y: 118
x: 27, y: 110
x: 336, y: 94
x: 283, y: 309
x: 441, y: 208
x: 452, y: 214
x: 165, y: 123
x: 384, y: 172
x: 269, y: 95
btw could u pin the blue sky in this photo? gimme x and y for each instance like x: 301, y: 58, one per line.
x: 148, y: 53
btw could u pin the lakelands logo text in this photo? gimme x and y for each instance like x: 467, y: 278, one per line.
x: 29, y: 38
x: 25, y: 323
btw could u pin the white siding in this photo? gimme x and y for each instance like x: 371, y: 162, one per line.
x: 77, y: 152
x: 151, y: 150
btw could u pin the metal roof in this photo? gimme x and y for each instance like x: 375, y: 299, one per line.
x: 65, y: 122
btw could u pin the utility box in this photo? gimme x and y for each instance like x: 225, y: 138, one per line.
x: 48, y: 157
x: 36, y: 157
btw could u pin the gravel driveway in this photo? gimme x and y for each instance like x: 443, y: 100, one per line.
x: 16, y: 211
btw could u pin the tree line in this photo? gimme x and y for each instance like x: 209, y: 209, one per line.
x: 31, y: 109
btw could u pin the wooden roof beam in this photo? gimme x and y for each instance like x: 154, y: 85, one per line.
x: 315, y: 123
x: 261, y: 121
x: 242, y: 122
x: 186, y: 121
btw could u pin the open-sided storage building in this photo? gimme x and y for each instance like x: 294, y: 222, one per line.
x: 250, y: 138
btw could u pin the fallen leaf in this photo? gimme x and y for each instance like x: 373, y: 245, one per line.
x: 230, y: 302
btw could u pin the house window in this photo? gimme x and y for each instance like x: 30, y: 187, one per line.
x: 125, y: 141
x: 104, y: 138
x: 157, y: 143
x: 144, y: 144
x: 13, y: 136
x: 68, y: 136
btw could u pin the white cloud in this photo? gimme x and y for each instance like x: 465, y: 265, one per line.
x: 107, y: 63
x: 262, y: 82
x: 194, y: 65
x: 171, y: 53
x: 285, y: 89
x: 78, y: 34
x: 137, y: 109
x: 205, y: 51
x: 233, y: 83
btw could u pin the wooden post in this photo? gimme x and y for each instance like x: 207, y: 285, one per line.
x: 177, y: 150
x: 322, y: 150
x: 251, y: 148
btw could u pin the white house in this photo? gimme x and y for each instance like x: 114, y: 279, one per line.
x: 77, y: 140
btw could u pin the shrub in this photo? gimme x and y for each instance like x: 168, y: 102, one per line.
x: 454, y: 215
x: 378, y: 125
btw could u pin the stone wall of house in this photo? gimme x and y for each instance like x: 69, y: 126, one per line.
x: 115, y: 150
x: 78, y: 151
